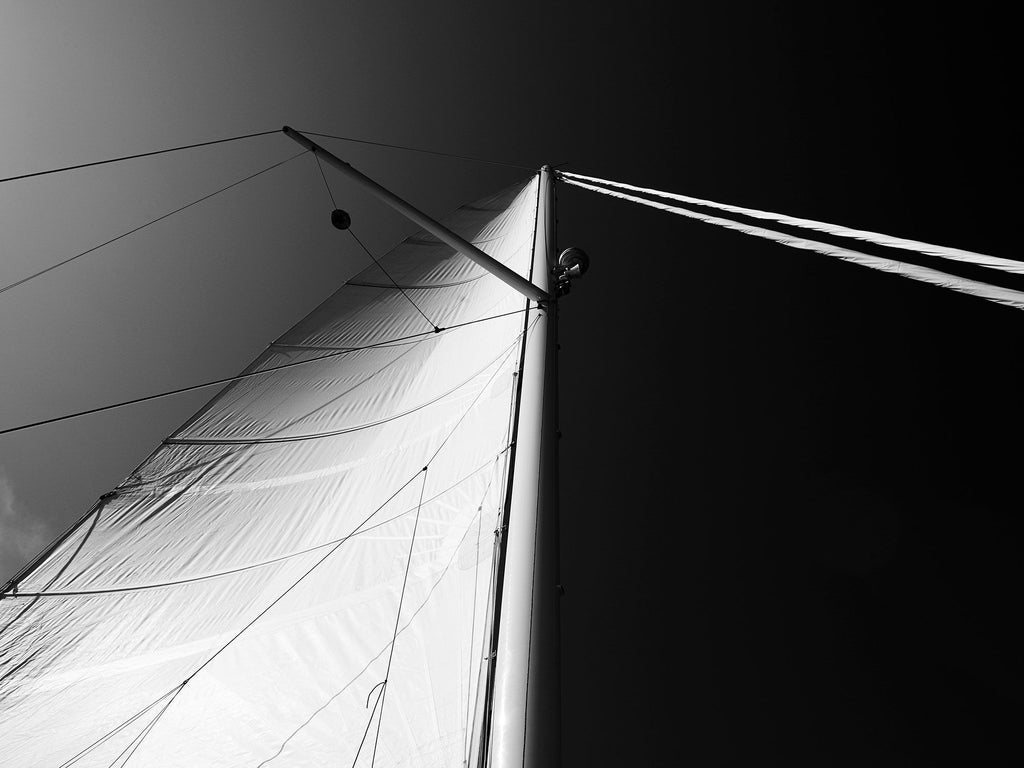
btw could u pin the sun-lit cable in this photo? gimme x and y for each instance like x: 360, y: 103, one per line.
x: 141, y: 154
x: 23, y: 280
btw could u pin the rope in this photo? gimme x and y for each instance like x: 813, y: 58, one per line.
x: 141, y: 154
x: 143, y: 226
x: 889, y: 241
x: 398, y: 615
x: 250, y: 374
x: 421, y: 151
x: 993, y: 293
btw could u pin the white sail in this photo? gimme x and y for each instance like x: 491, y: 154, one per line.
x: 235, y: 602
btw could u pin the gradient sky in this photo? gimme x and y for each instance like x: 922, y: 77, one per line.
x: 789, y: 484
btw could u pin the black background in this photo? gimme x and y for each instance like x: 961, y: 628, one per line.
x: 789, y: 484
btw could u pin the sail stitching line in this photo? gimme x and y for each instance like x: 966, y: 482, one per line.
x: 251, y: 566
x: 299, y: 418
x: 389, y: 277
x: 525, y: 332
x: 336, y: 432
x: 250, y: 374
x: 385, y: 647
x: 304, y: 575
x: 335, y: 548
x: 23, y: 280
x: 422, y: 151
x: 325, y: 348
x: 435, y: 286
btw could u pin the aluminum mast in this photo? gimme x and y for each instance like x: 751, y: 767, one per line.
x: 526, y: 715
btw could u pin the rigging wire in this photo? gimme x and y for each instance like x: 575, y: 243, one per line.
x: 389, y: 277
x: 369, y: 721
x: 995, y: 293
x: 366, y: 250
x: 422, y: 151
x: 380, y: 653
x: 1011, y: 266
x: 239, y: 377
x: 135, y: 743
x: 75, y: 758
x: 295, y: 583
x: 334, y: 549
x: 324, y: 177
x: 251, y: 566
x: 148, y: 223
x: 335, y: 432
x: 398, y: 616
x: 141, y: 154
x: 299, y: 580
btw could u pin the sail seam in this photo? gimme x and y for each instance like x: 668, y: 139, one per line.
x: 344, y: 431
x: 363, y: 671
x: 250, y: 374
x: 334, y: 549
x: 251, y: 566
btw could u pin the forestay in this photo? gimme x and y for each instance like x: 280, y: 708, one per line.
x: 234, y: 603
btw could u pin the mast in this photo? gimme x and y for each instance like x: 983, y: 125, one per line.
x: 526, y: 713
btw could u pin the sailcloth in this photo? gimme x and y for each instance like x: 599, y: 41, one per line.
x: 234, y: 602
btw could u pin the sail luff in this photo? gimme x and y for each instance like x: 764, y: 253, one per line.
x: 526, y: 689
x: 208, y: 563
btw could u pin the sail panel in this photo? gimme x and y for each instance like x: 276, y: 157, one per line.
x: 260, y: 553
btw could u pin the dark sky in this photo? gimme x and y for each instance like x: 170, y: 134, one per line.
x: 789, y: 513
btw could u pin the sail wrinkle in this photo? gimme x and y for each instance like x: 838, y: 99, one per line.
x: 268, y: 574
